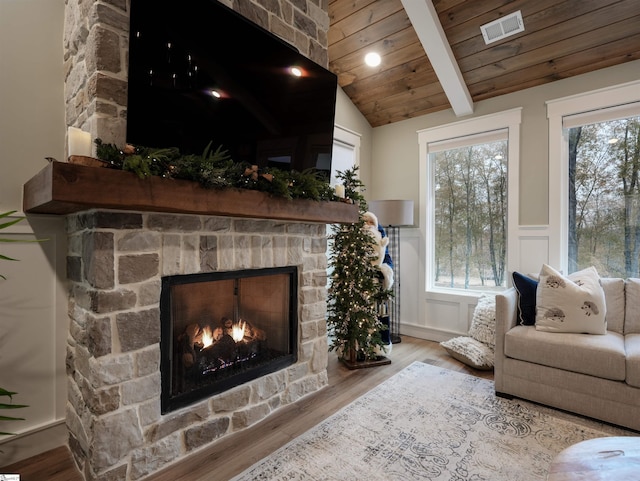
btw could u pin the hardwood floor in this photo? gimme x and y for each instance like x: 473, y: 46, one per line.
x: 235, y: 453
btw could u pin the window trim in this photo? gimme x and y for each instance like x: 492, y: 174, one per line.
x: 594, y: 106
x: 472, y: 128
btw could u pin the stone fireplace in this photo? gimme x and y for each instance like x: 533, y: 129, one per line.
x: 116, y: 265
x: 120, y: 255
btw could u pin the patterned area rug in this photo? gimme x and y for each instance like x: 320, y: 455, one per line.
x: 430, y: 423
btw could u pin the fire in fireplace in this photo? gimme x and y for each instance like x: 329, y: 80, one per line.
x: 222, y: 329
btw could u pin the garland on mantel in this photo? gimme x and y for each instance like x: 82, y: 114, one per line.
x: 215, y: 169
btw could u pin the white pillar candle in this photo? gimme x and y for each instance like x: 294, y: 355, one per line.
x: 79, y: 142
x: 339, y: 191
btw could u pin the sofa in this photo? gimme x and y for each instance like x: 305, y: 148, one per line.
x: 593, y: 375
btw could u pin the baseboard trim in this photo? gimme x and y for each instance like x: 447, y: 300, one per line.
x: 427, y: 333
x: 36, y: 441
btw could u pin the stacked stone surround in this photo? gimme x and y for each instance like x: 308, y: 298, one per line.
x: 116, y: 261
x: 96, y: 47
x: 115, y: 264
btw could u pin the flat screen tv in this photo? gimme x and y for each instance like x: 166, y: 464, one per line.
x: 200, y: 73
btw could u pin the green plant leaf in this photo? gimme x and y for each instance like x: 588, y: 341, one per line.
x: 10, y: 223
x: 4, y: 225
x: 12, y: 406
x: 19, y: 240
x: 4, y: 392
x: 9, y: 394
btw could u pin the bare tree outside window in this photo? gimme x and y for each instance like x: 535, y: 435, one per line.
x: 604, y: 197
x: 470, y: 208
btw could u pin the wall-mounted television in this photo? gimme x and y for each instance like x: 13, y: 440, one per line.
x: 200, y: 73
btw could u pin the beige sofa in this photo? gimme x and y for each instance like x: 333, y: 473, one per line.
x: 593, y: 375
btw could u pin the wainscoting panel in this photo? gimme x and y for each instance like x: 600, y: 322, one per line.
x: 441, y: 315
x: 33, y: 330
x: 409, y: 276
x: 533, y: 249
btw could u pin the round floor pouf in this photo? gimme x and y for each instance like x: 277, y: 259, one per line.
x: 609, y: 458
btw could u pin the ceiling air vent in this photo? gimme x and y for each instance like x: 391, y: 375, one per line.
x: 502, y: 28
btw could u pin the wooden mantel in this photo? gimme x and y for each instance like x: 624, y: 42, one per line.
x: 62, y: 188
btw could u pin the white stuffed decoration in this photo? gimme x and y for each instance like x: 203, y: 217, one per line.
x: 381, y: 243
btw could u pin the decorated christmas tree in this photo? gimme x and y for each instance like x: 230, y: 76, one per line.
x: 356, y: 292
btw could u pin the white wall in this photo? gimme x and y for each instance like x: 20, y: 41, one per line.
x: 32, y: 124
x: 395, y: 174
x: 33, y: 305
x: 348, y: 116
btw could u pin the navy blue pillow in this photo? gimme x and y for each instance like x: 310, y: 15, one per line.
x: 526, y: 288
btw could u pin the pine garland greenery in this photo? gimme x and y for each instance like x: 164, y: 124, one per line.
x: 215, y: 169
x: 355, y: 286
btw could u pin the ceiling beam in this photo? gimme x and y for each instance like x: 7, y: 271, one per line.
x: 426, y: 23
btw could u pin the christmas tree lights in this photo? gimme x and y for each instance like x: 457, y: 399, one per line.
x: 356, y: 289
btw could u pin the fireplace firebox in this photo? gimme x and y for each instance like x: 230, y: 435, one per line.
x: 222, y: 329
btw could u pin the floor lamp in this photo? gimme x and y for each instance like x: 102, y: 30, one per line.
x: 392, y: 214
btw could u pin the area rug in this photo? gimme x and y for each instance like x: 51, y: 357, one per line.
x: 430, y: 423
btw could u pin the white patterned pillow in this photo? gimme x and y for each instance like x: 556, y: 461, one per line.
x: 483, y: 323
x: 470, y: 352
x: 573, y: 303
x: 477, y: 349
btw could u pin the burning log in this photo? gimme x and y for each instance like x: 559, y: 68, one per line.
x: 188, y: 352
x: 222, y: 350
x: 251, y: 333
x: 192, y: 332
x: 212, y: 347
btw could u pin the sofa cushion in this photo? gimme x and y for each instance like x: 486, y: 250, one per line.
x: 600, y: 356
x: 526, y: 287
x: 632, y: 346
x: 632, y: 308
x: 470, y: 352
x: 613, y: 288
x: 573, y: 303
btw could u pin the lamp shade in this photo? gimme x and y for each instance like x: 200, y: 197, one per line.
x: 393, y: 212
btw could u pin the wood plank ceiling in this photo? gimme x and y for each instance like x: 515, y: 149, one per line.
x: 562, y: 38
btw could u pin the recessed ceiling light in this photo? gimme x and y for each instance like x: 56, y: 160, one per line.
x: 216, y: 94
x: 296, y: 71
x: 372, y: 59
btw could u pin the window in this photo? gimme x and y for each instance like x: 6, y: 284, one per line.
x: 469, y: 212
x: 467, y: 203
x: 604, y: 197
x: 595, y: 180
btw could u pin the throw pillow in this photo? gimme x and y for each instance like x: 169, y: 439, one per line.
x: 470, y: 352
x: 477, y: 349
x: 527, y: 288
x: 483, y: 322
x: 573, y: 303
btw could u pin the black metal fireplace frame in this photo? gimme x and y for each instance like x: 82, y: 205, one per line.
x: 169, y: 402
